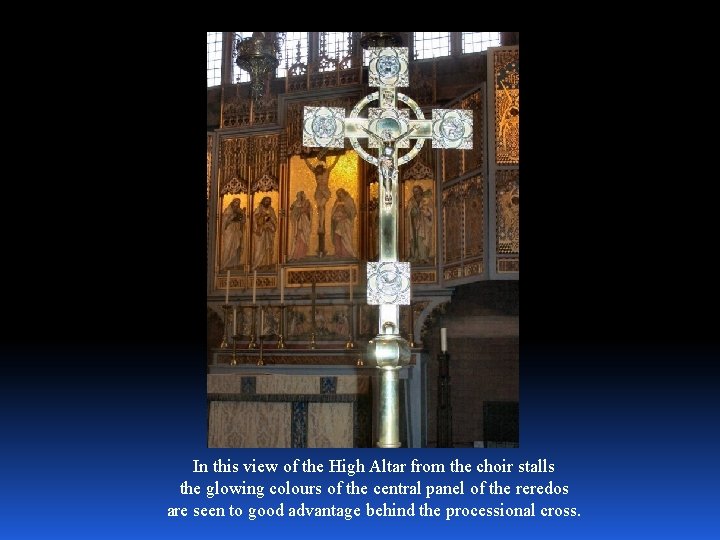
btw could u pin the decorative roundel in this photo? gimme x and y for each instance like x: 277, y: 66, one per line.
x: 452, y: 128
x: 323, y: 126
x: 388, y: 282
x: 388, y: 66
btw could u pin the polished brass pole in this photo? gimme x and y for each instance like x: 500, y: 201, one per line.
x: 389, y: 408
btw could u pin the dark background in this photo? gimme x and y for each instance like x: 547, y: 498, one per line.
x: 103, y: 346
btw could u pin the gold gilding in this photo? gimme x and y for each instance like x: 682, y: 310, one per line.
x: 345, y: 174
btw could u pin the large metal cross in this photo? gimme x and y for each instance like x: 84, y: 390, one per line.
x: 388, y: 128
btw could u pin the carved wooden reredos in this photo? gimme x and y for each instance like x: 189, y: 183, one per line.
x: 278, y: 222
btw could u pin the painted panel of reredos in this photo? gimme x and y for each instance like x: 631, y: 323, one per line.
x: 507, y: 106
x: 507, y: 202
x: 264, y: 231
x: 324, y: 198
x: 233, y: 234
x: 419, y: 222
x: 332, y: 323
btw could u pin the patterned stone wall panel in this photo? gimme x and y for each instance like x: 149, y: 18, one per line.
x: 508, y: 265
x: 420, y: 277
x: 451, y: 164
x: 209, y: 164
x: 453, y: 218
x: 507, y: 106
x: 330, y: 425
x: 473, y: 158
x: 264, y: 163
x: 474, y: 217
x: 507, y: 212
x: 242, y: 424
x: 237, y: 112
x: 452, y: 272
x: 422, y: 82
x: 207, y: 193
x: 472, y: 268
x: 233, y: 165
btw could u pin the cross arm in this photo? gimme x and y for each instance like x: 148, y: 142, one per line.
x: 357, y: 128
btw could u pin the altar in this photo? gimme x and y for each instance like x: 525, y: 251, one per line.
x: 306, y: 399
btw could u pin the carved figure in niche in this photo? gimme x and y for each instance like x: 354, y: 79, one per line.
x: 264, y: 226
x: 342, y: 220
x: 300, y: 213
x: 233, y: 224
x: 420, y: 225
x: 322, y: 191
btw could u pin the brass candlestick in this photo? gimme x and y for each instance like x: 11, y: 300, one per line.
x: 253, y: 344
x: 280, y: 342
x: 312, y: 315
x: 411, y: 341
x: 233, y: 360
x: 444, y: 403
x: 350, y: 343
x: 360, y: 361
x: 224, y: 342
x: 260, y: 359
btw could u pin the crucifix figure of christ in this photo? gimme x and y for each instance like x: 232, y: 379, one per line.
x: 388, y: 129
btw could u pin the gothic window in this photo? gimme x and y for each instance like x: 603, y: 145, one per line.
x: 435, y: 44
x: 334, y: 50
x: 431, y: 44
x: 214, y: 58
x: 479, y: 41
x: 295, y: 53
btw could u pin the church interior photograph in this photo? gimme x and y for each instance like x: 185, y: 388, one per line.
x: 363, y: 248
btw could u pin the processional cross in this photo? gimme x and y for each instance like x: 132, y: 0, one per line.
x: 388, y: 128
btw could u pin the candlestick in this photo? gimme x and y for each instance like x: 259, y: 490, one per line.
x: 443, y: 339
x: 350, y: 344
x: 262, y: 321
x: 280, y: 342
x: 312, y: 309
x: 234, y: 320
x: 224, y: 342
x: 252, y: 344
x: 260, y: 359
x: 227, y: 286
x: 282, y: 285
x: 411, y: 341
x: 312, y: 316
x: 233, y: 360
x: 254, y: 284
